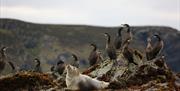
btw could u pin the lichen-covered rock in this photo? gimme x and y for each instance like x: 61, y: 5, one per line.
x: 123, y: 75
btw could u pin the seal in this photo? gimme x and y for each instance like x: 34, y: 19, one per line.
x: 77, y: 81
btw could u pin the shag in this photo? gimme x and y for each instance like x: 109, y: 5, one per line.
x: 128, y: 53
x: 38, y: 65
x: 75, y: 61
x: 94, y: 55
x: 60, y: 67
x: 149, y: 49
x: 158, y: 47
x: 118, y: 39
x: 111, y: 51
x: 127, y: 28
x: 2, y: 58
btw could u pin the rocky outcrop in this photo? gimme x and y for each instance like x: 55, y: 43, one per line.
x: 153, y: 74
x: 147, y: 75
x: 26, y: 81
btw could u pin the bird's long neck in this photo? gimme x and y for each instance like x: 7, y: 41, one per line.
x: 12, y: 65
x: 128, y: 29
x: 125, y: 47
x: 126, y: 44
x: 52, y: 68
x: 159, y: 39
x: 108, y: 39
x: 75, y: 58
x: 38, y: 63
x: 119, y: 32
x: 130, y: 34
x: 95, y: 48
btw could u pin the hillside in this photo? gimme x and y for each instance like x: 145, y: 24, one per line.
x: 50, y: 42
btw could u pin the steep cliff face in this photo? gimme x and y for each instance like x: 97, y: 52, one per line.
x: 51, y: 42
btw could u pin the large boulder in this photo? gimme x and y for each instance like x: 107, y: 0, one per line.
x: 123, y: 75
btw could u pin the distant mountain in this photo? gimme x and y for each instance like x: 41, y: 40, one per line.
x: 51, y: 42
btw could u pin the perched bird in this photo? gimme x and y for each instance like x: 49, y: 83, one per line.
x: 94, y: 55
x: 129, y: 33
x: 38, y: 65
x: 127, y: 52
x: 60, y: 67
x: 152, y: 52
x: 111, y: 51
x: 149, y: 49
x: 2, y: 58
x: 118, y: 39
x: 158, y: 47
x: 75, y: 61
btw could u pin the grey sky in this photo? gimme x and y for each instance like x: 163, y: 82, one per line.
x: 94, y: 12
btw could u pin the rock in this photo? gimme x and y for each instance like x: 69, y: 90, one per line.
x: 124, y: 76
x: 26, y: 80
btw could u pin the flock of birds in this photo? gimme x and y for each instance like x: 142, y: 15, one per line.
x: 152, y: 51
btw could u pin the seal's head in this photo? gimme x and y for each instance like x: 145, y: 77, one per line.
x: 72, y: 71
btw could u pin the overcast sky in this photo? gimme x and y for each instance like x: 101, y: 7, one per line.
x: 94, y: 12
